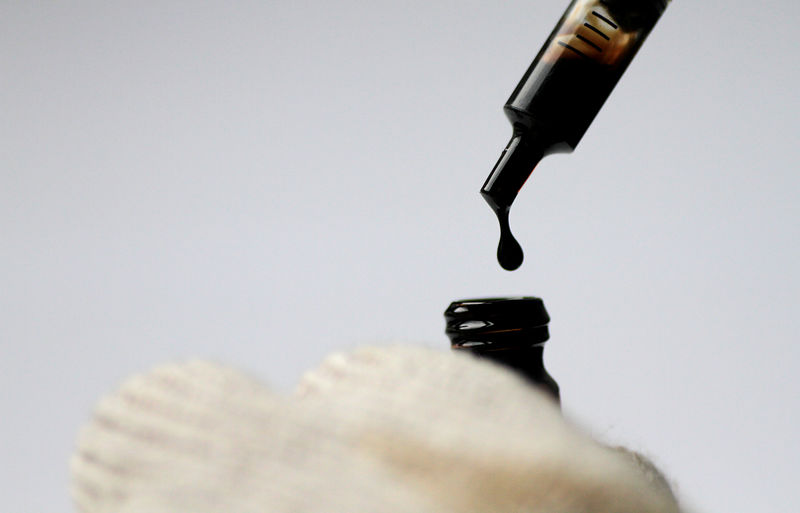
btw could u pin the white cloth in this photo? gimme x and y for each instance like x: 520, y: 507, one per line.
x: 399, y: 429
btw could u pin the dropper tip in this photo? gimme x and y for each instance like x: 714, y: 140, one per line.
x: 501, y: 187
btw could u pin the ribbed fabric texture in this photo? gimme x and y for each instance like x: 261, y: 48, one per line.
x: 399, y: 429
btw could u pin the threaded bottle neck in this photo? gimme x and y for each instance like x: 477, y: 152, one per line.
x: 508, y: 331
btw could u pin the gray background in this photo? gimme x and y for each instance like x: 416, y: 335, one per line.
x: 263, y: 183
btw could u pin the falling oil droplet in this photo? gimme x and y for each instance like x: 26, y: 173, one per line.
x: 509, y: 252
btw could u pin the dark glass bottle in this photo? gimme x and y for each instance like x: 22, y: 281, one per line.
x: 509, y: 331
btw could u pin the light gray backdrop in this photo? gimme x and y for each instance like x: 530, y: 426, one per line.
x: 266, y: 182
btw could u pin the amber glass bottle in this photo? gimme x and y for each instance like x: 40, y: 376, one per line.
x: 509, y: 331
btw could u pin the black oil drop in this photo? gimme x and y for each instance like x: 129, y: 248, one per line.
x: 509, y: 252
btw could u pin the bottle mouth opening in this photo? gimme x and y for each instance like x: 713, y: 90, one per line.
x: 497, y: 323
x: 510, y: 307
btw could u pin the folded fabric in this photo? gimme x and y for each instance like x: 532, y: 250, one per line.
x: 395, y: 429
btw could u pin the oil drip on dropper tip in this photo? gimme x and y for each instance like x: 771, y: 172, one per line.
x: 562, y: 92
x: 507, y: 177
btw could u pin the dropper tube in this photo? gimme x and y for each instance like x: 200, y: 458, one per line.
x: 562, y: 92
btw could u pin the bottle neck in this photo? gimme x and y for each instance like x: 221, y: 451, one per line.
x: 508, y: 331
x: 526, y: 361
